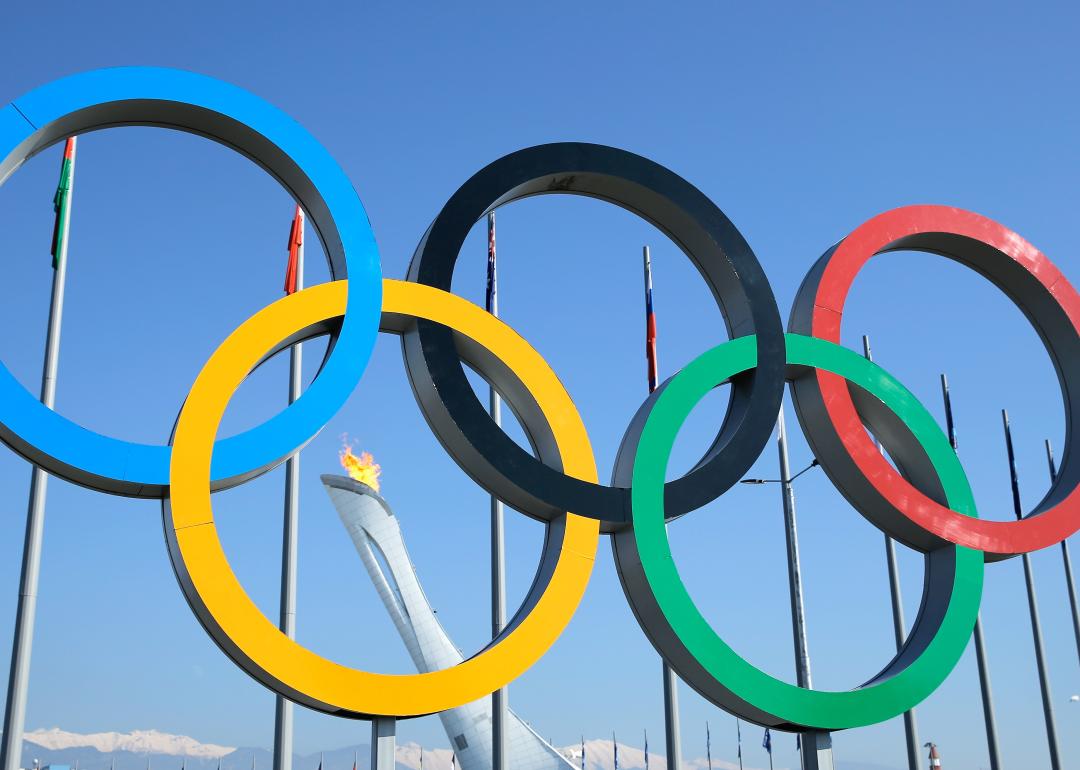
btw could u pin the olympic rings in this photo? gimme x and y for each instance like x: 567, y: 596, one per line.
x: 832, y: 422
x: 686, y: 640
x: 253, y: 641
x: 704, y: 233
x: 925, y: 501
x: 237, y: 119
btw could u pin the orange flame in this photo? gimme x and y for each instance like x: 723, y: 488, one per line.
x: 363, y: 468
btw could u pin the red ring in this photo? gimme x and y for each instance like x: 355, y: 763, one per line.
x: 1038, y: 530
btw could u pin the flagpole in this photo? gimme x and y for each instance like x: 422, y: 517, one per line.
x: 1036, y: 625
x: 911, y: 729
x: 819, y: 754
x: 980, y: 647
x: 738, y: 738
x: 19, y: 679
x: 1066, y: 559
x: 673, y: 742
x: 498, y: 541
x: 283, y: 711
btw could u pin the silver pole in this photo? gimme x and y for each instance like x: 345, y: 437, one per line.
x: 498, y: 540
x: 673, y: 749
x: 672, y: 738
x: 816, y: 753
x: 738, y: 737
x: 911, y: 729
x: 1036, y: 625
x: 283, y: 712
x: 1065, y: 556
x: 19, y: 679
x: 980, y: 647
x: 383, y: 743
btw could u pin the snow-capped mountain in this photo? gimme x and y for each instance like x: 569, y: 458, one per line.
x: 156, y: 750
x: 600, y: 755
x: 137, y: 741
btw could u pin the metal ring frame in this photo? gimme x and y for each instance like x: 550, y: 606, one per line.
x: 137, y: 96
x: 924, y: 501
x: 708, y: 238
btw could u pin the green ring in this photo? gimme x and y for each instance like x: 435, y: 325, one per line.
x: 770, y: 700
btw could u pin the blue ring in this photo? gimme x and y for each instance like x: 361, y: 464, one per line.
x: 238, y: 119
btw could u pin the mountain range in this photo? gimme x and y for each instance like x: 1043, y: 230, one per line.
x: 156, y: 750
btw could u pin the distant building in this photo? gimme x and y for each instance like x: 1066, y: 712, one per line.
x: 377, y: 536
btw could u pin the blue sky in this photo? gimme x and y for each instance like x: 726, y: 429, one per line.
x: 800, y: 122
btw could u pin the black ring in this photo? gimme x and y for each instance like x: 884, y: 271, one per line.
x: 705, y: 235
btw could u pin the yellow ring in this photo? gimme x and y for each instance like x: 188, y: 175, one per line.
x: 233, y: 619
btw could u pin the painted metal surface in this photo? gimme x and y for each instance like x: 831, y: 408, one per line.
x: 924, y: 501
x: 830, y: 413
x: 255, y: 643
x: 675, y: 626
x: 188, y: 102
x: 721, y: 254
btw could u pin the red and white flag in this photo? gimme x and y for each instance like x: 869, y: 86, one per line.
x: 296, y: 246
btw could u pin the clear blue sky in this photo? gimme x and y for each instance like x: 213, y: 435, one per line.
x: 799, y: 122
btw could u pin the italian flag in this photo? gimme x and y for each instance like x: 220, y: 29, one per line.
x: 62, y: 201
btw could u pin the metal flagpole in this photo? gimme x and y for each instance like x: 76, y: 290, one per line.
x: 498, y: 541
x: 283, y: 713
x: 1036, y: 625
x: 980, y: 648
x: 911, y: 730
x: 19, y: 679
x: 738, y: 738
x: 816, y: 753
x: 673, y: 741
x: 1065, y: 556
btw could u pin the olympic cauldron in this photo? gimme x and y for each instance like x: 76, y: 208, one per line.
x: 923, y: 500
